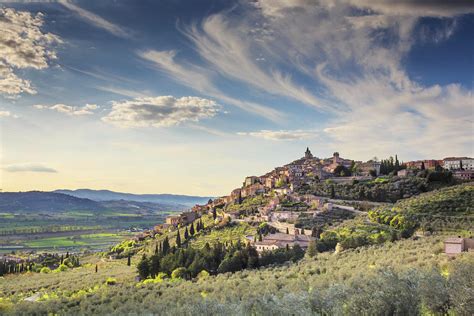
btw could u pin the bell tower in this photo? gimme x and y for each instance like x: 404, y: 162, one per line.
x: 308, y: 154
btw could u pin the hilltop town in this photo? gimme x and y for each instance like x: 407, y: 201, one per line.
x: 299, y: 199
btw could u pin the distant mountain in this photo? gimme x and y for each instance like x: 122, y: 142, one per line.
x: 36, y: 201
x: 54, y: 202
x: 106, y: 195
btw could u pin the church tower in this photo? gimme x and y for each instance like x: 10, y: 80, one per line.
x: 308, y: 154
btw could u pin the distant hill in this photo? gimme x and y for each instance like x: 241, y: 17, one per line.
x: 36, y: 201
x: 54, y: 202
x: 106, y: 195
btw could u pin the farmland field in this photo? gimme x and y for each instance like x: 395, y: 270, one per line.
x: 71, y: 231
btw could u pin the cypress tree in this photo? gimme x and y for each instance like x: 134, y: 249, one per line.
x: 156, y: 249
x: 186, y: 234
x: 178, y: 239
x: 214, y: 213
x: 129, y: 263
x: 166, y: 246
x: 143, y: 267
x: 96, y: 268
x: 191, y: 229
x: 312, y: 249
x: 287, y: 231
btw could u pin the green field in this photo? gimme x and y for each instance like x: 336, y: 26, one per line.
x: 89, y: 240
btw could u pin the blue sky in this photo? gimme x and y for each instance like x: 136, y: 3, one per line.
x: 191, y: 96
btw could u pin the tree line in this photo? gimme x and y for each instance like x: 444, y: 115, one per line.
x: 219, y: 258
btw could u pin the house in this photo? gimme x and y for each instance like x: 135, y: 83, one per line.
x: 464, y: 174
x: 456, y: 163
x: 173, y: 220
x: 184, y: 218
x: 188, y: 217
x: 250, y: 180
x: 280, y: 240
x: 428, y: 163
x: 405, y: 173
x: 287, y: 216
x: 364, y: 168
x: 456, y: 245
x: 252, y: 190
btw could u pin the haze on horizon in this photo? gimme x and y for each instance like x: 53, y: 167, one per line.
x: 190, y: 97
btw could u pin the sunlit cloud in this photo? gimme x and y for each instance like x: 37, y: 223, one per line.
x: 87, y: 109
x: 162, y: 111
x: 281, y: 134
x: 23, y: 45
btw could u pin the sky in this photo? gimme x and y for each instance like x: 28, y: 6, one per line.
x: 190, y: 97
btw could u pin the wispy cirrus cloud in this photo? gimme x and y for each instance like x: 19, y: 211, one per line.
x: 350, y: 54
x: 203, y: 80
x: 96, y: 20
x: 28, y: 167
x: 162, y: 111
x: 23, y: 45
x: 224, y: 44
x: 87, y: 109
x: 278, y: 135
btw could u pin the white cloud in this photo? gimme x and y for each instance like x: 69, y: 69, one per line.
x: 5, y: 114
x: 22, y: 45
x: 96, y: 20
x: 417, y: 8
x: 202, y: 80
x: 160, y: 111
x: 68, y: 109
x: 29, y: 167
x: 280, y: 134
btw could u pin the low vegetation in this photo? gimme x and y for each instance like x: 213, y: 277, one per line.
x: 410, y: 277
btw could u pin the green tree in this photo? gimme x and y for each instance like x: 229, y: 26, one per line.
x: 166, y: 246
x: 312, y: 249
x: 186, y: 234
x: 191, y: 229
x: 129, y: 260
x: 178, y: 239
x: 143, y: 267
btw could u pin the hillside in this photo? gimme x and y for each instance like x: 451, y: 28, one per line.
x: 450, y: 208
x: 49, y: 202
x: 409, y: 277
x: 106, y: 195
x: 36, y: 201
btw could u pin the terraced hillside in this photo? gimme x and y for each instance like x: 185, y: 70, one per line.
x: 447, y: 209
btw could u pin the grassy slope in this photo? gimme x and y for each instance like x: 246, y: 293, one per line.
x: 322, y: 272
x: 449, y: 209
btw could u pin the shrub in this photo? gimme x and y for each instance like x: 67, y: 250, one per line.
x: 179, y: 273
x: 45, y: 270
x: 111, y: 281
